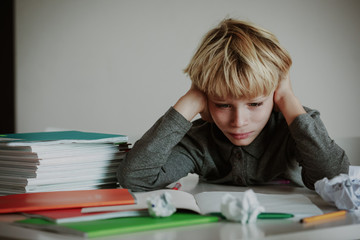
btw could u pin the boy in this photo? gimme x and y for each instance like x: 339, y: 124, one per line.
x: 253, y: 128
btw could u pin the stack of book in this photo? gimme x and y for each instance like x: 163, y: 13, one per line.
x: 57, y: 161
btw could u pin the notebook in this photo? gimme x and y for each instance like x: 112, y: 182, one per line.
x: 65, y: 199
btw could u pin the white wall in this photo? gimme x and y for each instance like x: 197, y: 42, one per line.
x: 116, y: 66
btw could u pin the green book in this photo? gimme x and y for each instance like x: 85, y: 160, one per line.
x: 114, y: 226
x: 45, y: 138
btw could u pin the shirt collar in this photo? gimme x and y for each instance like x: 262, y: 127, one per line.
x: 258, y: 146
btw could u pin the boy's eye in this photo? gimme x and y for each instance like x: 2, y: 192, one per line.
x: 255, y: 104
x: 223, y: 105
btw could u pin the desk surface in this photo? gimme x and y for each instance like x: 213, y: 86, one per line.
x: 345, y: 228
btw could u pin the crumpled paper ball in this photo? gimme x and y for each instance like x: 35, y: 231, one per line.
x: 243, y: 210
x: 343, y: 191
x: 161, y: 205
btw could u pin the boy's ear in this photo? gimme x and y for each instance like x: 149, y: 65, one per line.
x: 206, y: 115
x: 275, y: 108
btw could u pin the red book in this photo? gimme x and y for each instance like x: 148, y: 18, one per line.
x: 65, y: 199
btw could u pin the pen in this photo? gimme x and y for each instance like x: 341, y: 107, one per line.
x: 325, y: 216
x: 274, y: 215
x: 177, y: 186
x: 263, y: 215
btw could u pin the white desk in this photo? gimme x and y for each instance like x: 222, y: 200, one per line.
x: 345, y: 228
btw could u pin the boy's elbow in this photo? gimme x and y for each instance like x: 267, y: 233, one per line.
x: 126, y: 180
x: 130, y: 180
x: 129, y: 184
x: 328, y: 172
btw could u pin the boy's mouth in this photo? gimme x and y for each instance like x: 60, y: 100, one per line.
x: 240, y: 136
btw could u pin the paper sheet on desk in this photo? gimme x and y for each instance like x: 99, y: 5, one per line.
x: 207, y: 202
x: 297, y: 204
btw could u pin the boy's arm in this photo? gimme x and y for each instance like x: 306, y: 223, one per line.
x: 152, y: 163
x: 318, y: 155
x: 156, y: 160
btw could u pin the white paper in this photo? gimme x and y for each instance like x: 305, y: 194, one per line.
x: 208, y: 202
x: 296, y: 204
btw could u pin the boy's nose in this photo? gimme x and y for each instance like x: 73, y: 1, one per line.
x: 240, y: 118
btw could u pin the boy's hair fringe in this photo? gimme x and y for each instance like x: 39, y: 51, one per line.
x: 238, y: 59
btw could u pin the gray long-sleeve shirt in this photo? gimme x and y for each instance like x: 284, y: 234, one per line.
x: 173, y: 147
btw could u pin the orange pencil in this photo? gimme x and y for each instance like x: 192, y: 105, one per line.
x: 326, y: 216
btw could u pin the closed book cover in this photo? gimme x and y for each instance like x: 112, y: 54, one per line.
x: 53, y: 151
x: 75, y: 215
x: 44, y: 138
x: 64, y: 199
x: 114, y: 226
x: 56, y: 150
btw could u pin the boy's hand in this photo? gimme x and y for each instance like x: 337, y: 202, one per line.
x: 286, y: 102
x: 283, y: 91
x: 193, y: 103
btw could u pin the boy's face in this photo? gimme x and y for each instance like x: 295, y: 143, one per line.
x: 241, y: 120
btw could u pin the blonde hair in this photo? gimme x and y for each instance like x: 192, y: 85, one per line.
x: 238, y: 59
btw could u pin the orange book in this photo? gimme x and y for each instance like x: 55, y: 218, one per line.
x: 65, y: 199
